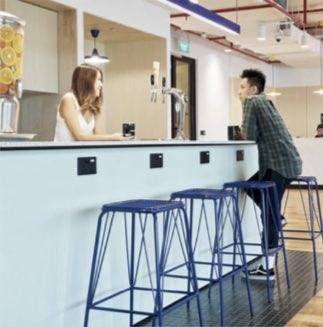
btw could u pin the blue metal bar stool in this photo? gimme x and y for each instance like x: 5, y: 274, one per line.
x: 145, y: 215
x: 225, y: 211
x: 269, y: 205
x: 312, y: 214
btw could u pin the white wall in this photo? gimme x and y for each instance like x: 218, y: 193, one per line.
x: 138, y: 14
x: 214, y: 70
x: 292, y: 77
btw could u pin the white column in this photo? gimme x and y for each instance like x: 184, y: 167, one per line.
x: 80, y: 35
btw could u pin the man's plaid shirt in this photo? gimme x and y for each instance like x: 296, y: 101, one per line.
x: 263, y: 124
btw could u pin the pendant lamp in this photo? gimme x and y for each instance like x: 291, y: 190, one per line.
x: 95, y: 58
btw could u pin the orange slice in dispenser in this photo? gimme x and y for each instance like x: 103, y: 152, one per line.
x: 6, y: 76
x: 18, y: 43
x: 17, y: 69
x: 8, y: 56
x: 6, y: 33
x: 4, y: 88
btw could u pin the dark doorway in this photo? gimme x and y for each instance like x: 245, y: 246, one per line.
x: 183, y: 78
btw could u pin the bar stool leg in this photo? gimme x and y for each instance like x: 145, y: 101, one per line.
x: 132, y: 266
x: 242, y: 249
x: 219, y: 258
x: 319, y: 207
x: 214, y: 249
x: 276, y: 208
x: 312, y: 229
x: 157, y: 267
x: 264, y: 212
x: 193, y: 269
x: 91, y: 291
x: 190, y: 241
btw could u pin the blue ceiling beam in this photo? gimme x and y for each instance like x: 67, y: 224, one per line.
x: 203, y: 14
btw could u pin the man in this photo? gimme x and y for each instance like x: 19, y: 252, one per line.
x: 319, y: 130
x: 279, y: 160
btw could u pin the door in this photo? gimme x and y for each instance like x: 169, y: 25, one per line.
x: 183, y: 78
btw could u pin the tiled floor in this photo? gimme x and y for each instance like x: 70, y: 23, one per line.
x: 285, y: 305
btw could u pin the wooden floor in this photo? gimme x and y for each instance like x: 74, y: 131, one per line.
x: 312, y: 313
x: 294, y: 214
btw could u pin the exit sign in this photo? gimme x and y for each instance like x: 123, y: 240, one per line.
x: 184, y: 45
x: 283, y: 3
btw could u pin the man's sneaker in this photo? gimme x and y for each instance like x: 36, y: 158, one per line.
x: 260, y: 273
x: 283, y: 221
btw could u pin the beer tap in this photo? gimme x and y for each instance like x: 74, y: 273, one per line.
x: 181, y: 100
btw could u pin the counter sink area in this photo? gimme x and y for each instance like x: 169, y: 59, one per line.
x: 50, y: 201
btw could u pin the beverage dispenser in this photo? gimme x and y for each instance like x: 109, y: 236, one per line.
x: 11, y: 60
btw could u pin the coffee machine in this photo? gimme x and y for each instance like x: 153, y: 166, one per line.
x: 11, y: 60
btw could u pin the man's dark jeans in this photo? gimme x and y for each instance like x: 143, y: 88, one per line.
x: 273, y: 223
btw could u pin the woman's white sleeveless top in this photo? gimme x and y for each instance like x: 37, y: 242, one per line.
x: 62, y: 132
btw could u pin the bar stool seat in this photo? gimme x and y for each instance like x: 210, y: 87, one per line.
x: 249, y: 185
x: 196, y: 193
x: 146, y: 218
x: 304, y: 179
x: 142, y: 206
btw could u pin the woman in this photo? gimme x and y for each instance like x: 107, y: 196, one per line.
x: 80, y: 110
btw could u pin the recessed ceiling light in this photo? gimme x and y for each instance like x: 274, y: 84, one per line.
x: 304, y: 43
x: 227, y: 50
x: 262, y: 31
x: 274, y: 93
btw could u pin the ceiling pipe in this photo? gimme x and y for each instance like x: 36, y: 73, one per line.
x: 291, y: 16
x: 305, y: 12
x: 228, y: 45
x: 309, y: 11
x: 230, y: 9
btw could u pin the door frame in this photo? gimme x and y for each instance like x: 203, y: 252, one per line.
x: 192, y: 96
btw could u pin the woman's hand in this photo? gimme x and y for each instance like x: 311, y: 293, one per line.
x: 120, y: 137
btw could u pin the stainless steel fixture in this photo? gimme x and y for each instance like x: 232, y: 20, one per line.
x: 181, y: 100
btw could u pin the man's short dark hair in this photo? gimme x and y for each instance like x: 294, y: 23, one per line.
x: 255, y: 78
x: 319, y: 126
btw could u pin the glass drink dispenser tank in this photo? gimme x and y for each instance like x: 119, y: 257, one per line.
x: 11, y: 60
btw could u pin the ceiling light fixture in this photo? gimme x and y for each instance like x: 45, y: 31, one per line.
x: 262, y: 31
x: 320, y: 90
x: 204, y: 35
x: 274, y: 92
x: 304, y: 43
x: 95, y: 58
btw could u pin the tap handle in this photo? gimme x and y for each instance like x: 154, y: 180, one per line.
x: 164, y: 82
x: 152, y: 80
x: 19, y: 90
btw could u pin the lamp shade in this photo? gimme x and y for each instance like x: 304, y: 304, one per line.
x: 95, y: 58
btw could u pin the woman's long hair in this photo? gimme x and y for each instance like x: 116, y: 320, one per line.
x: 83, y: 80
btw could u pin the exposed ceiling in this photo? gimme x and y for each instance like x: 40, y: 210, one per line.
x: 251, y: 14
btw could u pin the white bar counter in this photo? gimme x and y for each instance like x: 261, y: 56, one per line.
x: 48, y: 217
